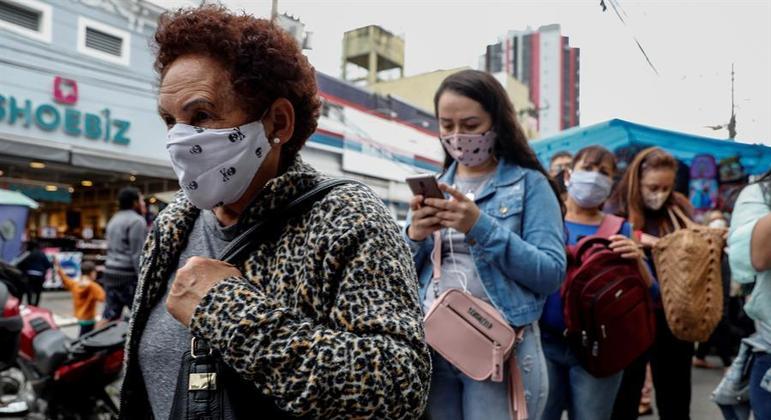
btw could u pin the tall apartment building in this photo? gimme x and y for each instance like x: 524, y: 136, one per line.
x: 546, y: 63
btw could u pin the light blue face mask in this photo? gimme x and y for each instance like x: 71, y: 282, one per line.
x: 589, y: 189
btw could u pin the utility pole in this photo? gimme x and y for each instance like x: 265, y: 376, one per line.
x: 274, y: 11
x: 731, y: 126
x: 732, y: 121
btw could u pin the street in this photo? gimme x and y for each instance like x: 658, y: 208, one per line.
x: 704, y: 380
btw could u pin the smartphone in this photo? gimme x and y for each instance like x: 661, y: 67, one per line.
x: 425, y: 185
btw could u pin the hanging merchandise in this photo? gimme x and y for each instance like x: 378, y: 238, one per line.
x: 624, y: 156
x: 732, y: 180
x: 703, y: 185
x: 731, y: 170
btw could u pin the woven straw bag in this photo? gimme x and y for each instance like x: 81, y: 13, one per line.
x: 688, y: 267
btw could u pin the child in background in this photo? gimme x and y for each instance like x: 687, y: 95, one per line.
x: 86, y: 292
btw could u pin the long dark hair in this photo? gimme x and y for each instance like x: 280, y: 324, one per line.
x: 510, y: 141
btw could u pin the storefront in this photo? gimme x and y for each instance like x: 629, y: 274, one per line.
x: 71, y: 145
x: 77, y: 116
x: 78, y: 122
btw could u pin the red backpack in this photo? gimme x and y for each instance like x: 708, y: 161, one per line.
x: 607, y: 306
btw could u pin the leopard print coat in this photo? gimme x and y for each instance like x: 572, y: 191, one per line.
x: 325, y: 320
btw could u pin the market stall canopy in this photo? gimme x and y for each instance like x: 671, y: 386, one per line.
x: 617, y: 133
x: 14, y: 198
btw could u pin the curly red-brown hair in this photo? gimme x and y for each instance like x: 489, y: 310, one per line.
x: 264, y: 61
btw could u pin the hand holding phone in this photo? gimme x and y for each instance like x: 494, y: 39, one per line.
x: 424, y: 220
x: 425, y: 186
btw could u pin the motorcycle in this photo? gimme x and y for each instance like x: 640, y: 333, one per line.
x: 46, y: 375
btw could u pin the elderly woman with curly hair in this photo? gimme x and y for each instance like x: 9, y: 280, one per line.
x: 321, y: 320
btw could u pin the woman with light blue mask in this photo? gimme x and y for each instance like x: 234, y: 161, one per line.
x: 571, y: 387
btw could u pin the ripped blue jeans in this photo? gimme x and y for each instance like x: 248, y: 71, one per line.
x: 455, y: 396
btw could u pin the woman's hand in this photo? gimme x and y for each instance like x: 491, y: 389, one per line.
x: 648, y: 240
x: 193, y: 282
x: 626, y: 247
x: 459, y: 213
x: 424, y: 220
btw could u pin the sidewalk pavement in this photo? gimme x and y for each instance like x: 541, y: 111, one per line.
x: 704, y: 380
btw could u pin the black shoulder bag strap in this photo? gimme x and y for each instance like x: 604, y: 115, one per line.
x: 206, y: 387
x: 237, y: 251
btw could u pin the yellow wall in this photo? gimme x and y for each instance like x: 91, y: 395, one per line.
x: 419, y: 91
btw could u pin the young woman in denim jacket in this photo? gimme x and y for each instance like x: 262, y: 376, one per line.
x: 502, y: 238
x: 750, y: 256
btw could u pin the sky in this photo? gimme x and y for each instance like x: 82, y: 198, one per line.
x: 692, y: 45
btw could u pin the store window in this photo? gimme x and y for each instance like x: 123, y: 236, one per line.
x: 30, y: 18
x: 102, y: 41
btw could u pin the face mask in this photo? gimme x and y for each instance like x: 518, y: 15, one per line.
x: 656, y: 200
x: 470, y: 149
x: 589, y: 189
x: 216, y: 166
x: 718, y: 223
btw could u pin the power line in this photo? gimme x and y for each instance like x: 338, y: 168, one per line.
x: 615, y: 6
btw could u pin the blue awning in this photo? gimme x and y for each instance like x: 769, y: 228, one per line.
x: 617, y: 133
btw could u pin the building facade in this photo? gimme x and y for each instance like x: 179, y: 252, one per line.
x: 419, y: 90
x: 545, y: 62
x: 370, y: 51
x: 78, y: 118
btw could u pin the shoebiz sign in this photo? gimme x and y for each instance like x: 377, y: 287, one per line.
x: 63, y: 115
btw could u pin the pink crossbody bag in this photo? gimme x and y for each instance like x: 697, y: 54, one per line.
x: 470, y: 334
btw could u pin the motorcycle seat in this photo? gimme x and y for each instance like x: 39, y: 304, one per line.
x: 50, y: 348
x: 110, y: 336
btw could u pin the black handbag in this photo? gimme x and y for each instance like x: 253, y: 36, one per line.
x: 207, y: 388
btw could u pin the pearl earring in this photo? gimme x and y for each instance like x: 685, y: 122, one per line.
x: 276, y: 140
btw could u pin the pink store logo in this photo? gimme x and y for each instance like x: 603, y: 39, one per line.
x: 65, y: 91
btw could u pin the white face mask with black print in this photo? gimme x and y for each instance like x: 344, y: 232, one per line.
x: 216, y: 166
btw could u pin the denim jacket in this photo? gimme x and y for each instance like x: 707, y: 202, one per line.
x: 517, y: 244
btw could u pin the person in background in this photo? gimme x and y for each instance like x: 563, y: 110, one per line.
x: 571, y: 387
x: 561, y: 187
x: 559, y: 162
x: 721, y: 337
x: 643, y: 196
x: 749, y: 254
x: 502, y: 238
x: 126, y: 233
x: 86, y: 293
x: 34, y: 265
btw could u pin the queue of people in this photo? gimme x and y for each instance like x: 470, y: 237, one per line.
x: 266, y: 287
x: 323, y: 317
